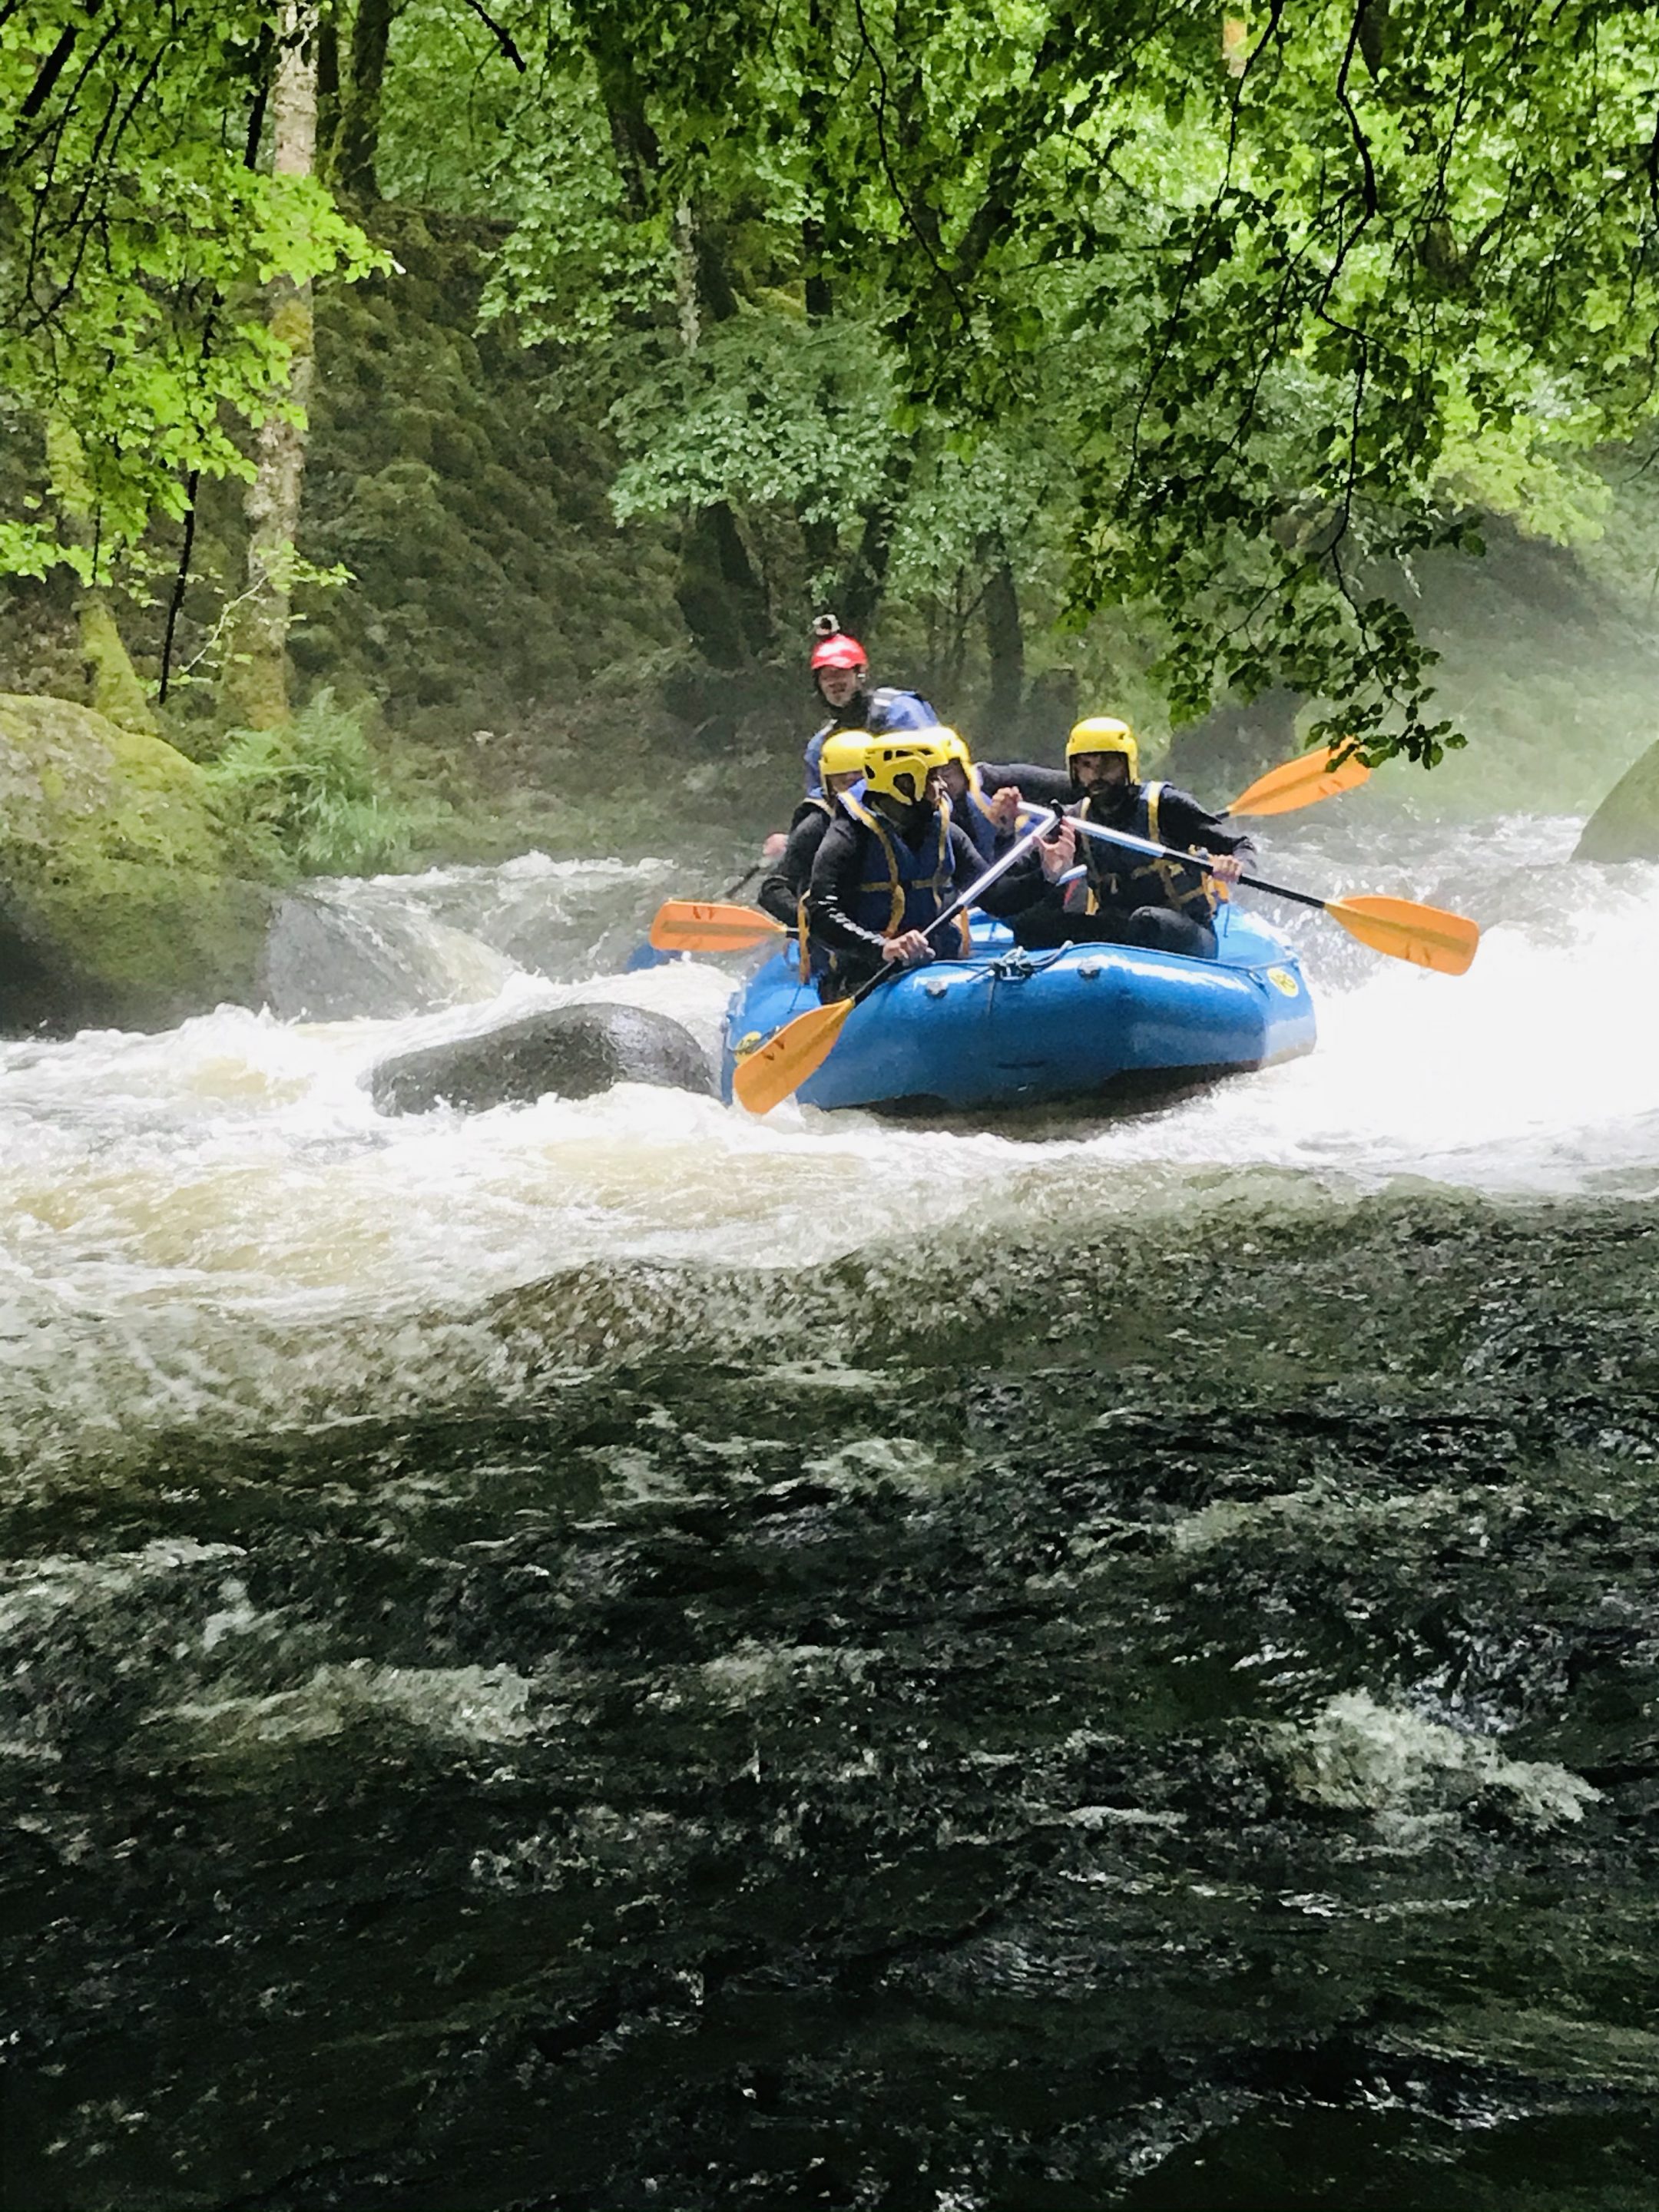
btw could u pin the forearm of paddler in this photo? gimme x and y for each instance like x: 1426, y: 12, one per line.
x: 1197, y: 830
x: 1022, y: 887
x: 1233, y: 857
x: 778, y: 896
x: 780, y: 893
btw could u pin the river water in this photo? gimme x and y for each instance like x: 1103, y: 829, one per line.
x: 607, y: 1655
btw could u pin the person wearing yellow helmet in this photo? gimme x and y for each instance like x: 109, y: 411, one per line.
x: 985, y: 799
x: 891, y: 861
x: 1127, y: 897
x: 840, y: 764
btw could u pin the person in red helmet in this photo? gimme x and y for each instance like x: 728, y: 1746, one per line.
x: 841, y: 677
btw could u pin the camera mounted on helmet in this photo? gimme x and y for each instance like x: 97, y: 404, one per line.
x: 833, y: 648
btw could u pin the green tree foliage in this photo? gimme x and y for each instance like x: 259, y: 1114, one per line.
x: 1201, y: 327
x: 135, y: 229
x: 1297, y: 297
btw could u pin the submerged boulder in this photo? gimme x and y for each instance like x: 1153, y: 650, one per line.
x: 117, y: 904
x: 1625, y: 825
x: 568, y: 1052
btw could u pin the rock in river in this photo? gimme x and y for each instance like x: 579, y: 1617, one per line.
x: 569, y: 1051
x: 1625, y: 825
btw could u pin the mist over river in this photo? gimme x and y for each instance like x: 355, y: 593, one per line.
x: 608, y: 1655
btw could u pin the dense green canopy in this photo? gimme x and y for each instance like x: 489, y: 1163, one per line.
x: 1220, y: 320
x: 135, y: 229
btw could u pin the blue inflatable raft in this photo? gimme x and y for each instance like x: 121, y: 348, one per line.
x: 1006, y: 1028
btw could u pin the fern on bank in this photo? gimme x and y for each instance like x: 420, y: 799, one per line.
x: 311, y: 799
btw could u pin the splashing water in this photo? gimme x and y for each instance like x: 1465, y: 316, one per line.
x: 606, y: 1652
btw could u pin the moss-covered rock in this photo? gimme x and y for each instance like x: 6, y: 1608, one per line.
x: 1625, y: 825
x: 118, y: 904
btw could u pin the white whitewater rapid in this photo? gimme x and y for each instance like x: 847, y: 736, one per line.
x: 216, y: 1220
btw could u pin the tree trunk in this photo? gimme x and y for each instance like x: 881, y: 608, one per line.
x: 360, y: 118
x: 253, y: 688
x: 328, y: 94
x: 1005, y: 642
x: 638, y: 156
x: 864, y: 584
x: 722, y: 600
x: 685, y: 278
x: 820, y: 535
x: 113, y: 687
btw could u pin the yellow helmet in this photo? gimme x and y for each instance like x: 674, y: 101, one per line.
x: 898, y: 767
x: 956, y: 746
x: 842, y: 752
x: 1104, y: 733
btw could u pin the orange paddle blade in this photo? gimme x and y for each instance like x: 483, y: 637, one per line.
x: 1427, y: 936
x: 1301, y: 783
x: 783, y: 1063
x: 699, y: 925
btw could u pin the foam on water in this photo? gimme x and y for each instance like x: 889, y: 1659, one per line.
x: 1360, y: 1754
x: 157, y: 1193
x: 478, y: 1705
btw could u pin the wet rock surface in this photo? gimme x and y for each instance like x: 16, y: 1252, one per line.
x: 1625, y: 825
x: 570, y: 1052
x: 1021, y: 1748
x: 118, y: 902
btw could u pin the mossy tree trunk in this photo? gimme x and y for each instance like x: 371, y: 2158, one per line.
x: 113, y: 686
x: 253, y: 688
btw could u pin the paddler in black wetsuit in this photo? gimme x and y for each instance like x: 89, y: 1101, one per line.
x: 841, y: 763
x: 1127, y: 897
x: 891, y: 861
x: 985, y: 799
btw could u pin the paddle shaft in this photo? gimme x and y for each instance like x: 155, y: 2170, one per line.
x: 1017, y: 851
x: 1188, y: 861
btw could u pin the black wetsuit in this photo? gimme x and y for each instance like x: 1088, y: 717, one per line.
x: 847, y: 951
x: 1127, y: 897
x: 782, y: 890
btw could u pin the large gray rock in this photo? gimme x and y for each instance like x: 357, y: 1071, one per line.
x: 570, y: 1052
x: 1625, y: 825
x: 332, y: 957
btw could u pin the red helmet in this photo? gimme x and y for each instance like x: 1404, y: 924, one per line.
x: 837, y: 651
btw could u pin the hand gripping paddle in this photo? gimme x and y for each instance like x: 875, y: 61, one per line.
x: 790, y: 1054
x: 1427, y: 936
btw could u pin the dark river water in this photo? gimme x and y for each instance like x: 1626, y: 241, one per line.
x: 607, y: 1656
